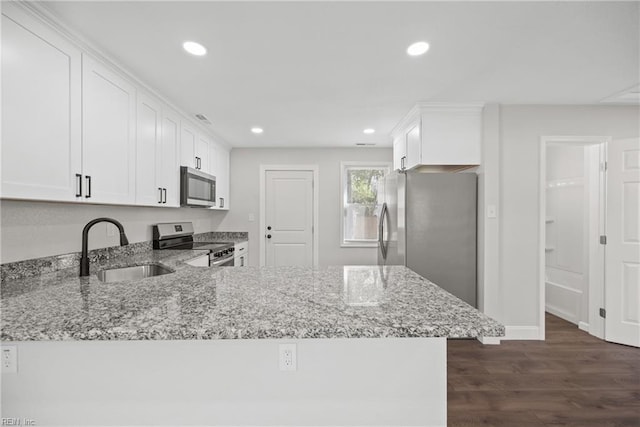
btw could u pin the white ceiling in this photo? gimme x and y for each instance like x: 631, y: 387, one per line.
x: 318, y: 73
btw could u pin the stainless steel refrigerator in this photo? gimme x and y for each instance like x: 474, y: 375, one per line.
x: 428, y: 223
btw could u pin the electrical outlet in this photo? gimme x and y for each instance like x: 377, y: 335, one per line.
x: 252, y: 217
x: 9, y: 359
x: 288, y: 357
x: 491, y: 211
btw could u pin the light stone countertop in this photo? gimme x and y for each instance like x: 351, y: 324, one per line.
x: 235, y: 303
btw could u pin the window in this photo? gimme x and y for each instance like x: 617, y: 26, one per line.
x: 360, y: 202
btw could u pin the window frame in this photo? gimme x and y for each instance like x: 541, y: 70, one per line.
x: 344, y: 168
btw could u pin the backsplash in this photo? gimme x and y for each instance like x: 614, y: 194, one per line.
x: 222, y: 236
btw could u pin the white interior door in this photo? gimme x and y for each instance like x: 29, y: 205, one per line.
x: 288, y: 218
x: 622, y: 289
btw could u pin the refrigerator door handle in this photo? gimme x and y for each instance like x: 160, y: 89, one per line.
x: 383, y: 214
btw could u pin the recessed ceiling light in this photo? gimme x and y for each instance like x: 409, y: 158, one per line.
x: 257, y: 130
x: 194, y: 48
x: 369, y: 131
x: 418, y: 48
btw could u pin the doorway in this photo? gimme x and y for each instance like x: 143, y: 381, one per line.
x: 572, y: 213
x: 289, y: 215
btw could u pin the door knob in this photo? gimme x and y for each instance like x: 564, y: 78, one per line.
x: 268, y: 236
x: 269, y: 228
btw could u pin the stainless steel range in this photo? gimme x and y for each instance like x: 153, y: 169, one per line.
x: 179, y: 235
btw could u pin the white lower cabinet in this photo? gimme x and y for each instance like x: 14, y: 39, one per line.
x: 41, y: 86
x: 108, y: 135
x: 241, y: 254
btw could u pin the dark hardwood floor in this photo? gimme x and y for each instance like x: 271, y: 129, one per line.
x: 571, y: 379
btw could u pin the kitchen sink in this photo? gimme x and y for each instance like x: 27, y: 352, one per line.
x: 136, y: 272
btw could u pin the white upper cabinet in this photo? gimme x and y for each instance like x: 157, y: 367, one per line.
x: 41, y: 84
x: 194, y: 148
x: 399, y: 152
x: 169, y: 172
x: 157, y: 169
x: 148, y: 152
x: 202, y: 153
x: 220, y: 169
x: 414, y: 146
x: 76, y: 129
x: 108, y: 128
x: 187, y: 145
x: 439, y: 136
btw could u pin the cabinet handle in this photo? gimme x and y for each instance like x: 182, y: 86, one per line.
x: 197, y: 162
x: 164, y: 191
x: 88, y: 186
x: 402, y: 166
x: 160, y: 192
x: 222, y: 202
x: 78, y: 185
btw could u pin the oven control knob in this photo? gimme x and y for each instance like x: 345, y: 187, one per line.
x: 232, y: 249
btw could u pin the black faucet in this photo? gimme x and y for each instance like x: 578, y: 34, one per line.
x: 84, y: 259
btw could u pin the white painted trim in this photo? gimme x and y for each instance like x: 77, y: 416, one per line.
x: 490, y: 340
x: 561, y: 314
x: 542, y: 184
x: 597, y: 251
x: 583, y: 326
x: 343, y: 186
x: 523, y: 333
x: 316, y: 193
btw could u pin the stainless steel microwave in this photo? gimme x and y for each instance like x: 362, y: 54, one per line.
x: 197, y: 189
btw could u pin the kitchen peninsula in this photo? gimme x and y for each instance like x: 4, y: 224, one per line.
x: 201, y: 346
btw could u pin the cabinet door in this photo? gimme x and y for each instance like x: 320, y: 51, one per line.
x: 413, y: 147
x: 399, y: 153
x: 149, y: 153
x: 202, y: 153
x: 187, y: 145
x: 222, y: 179
x: 169, y: 172
x: 108, y: 144
x: 41, y: 145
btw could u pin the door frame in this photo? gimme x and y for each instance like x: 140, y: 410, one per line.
x: 263, y: 182
x: 596, y: 287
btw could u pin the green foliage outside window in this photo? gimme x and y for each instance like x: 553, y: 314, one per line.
x: 363, y: 188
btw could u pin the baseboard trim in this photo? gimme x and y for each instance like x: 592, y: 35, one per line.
x: 522, y: 333
x: 583, y: 326
x: 490, y: 340
x: 561, y: 314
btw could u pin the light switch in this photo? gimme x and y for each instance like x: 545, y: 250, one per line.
x: 491, y: 211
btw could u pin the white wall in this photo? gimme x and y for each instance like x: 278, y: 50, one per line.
x: 245, y: 194
x: 37, y: 229
x: 519, y: 157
